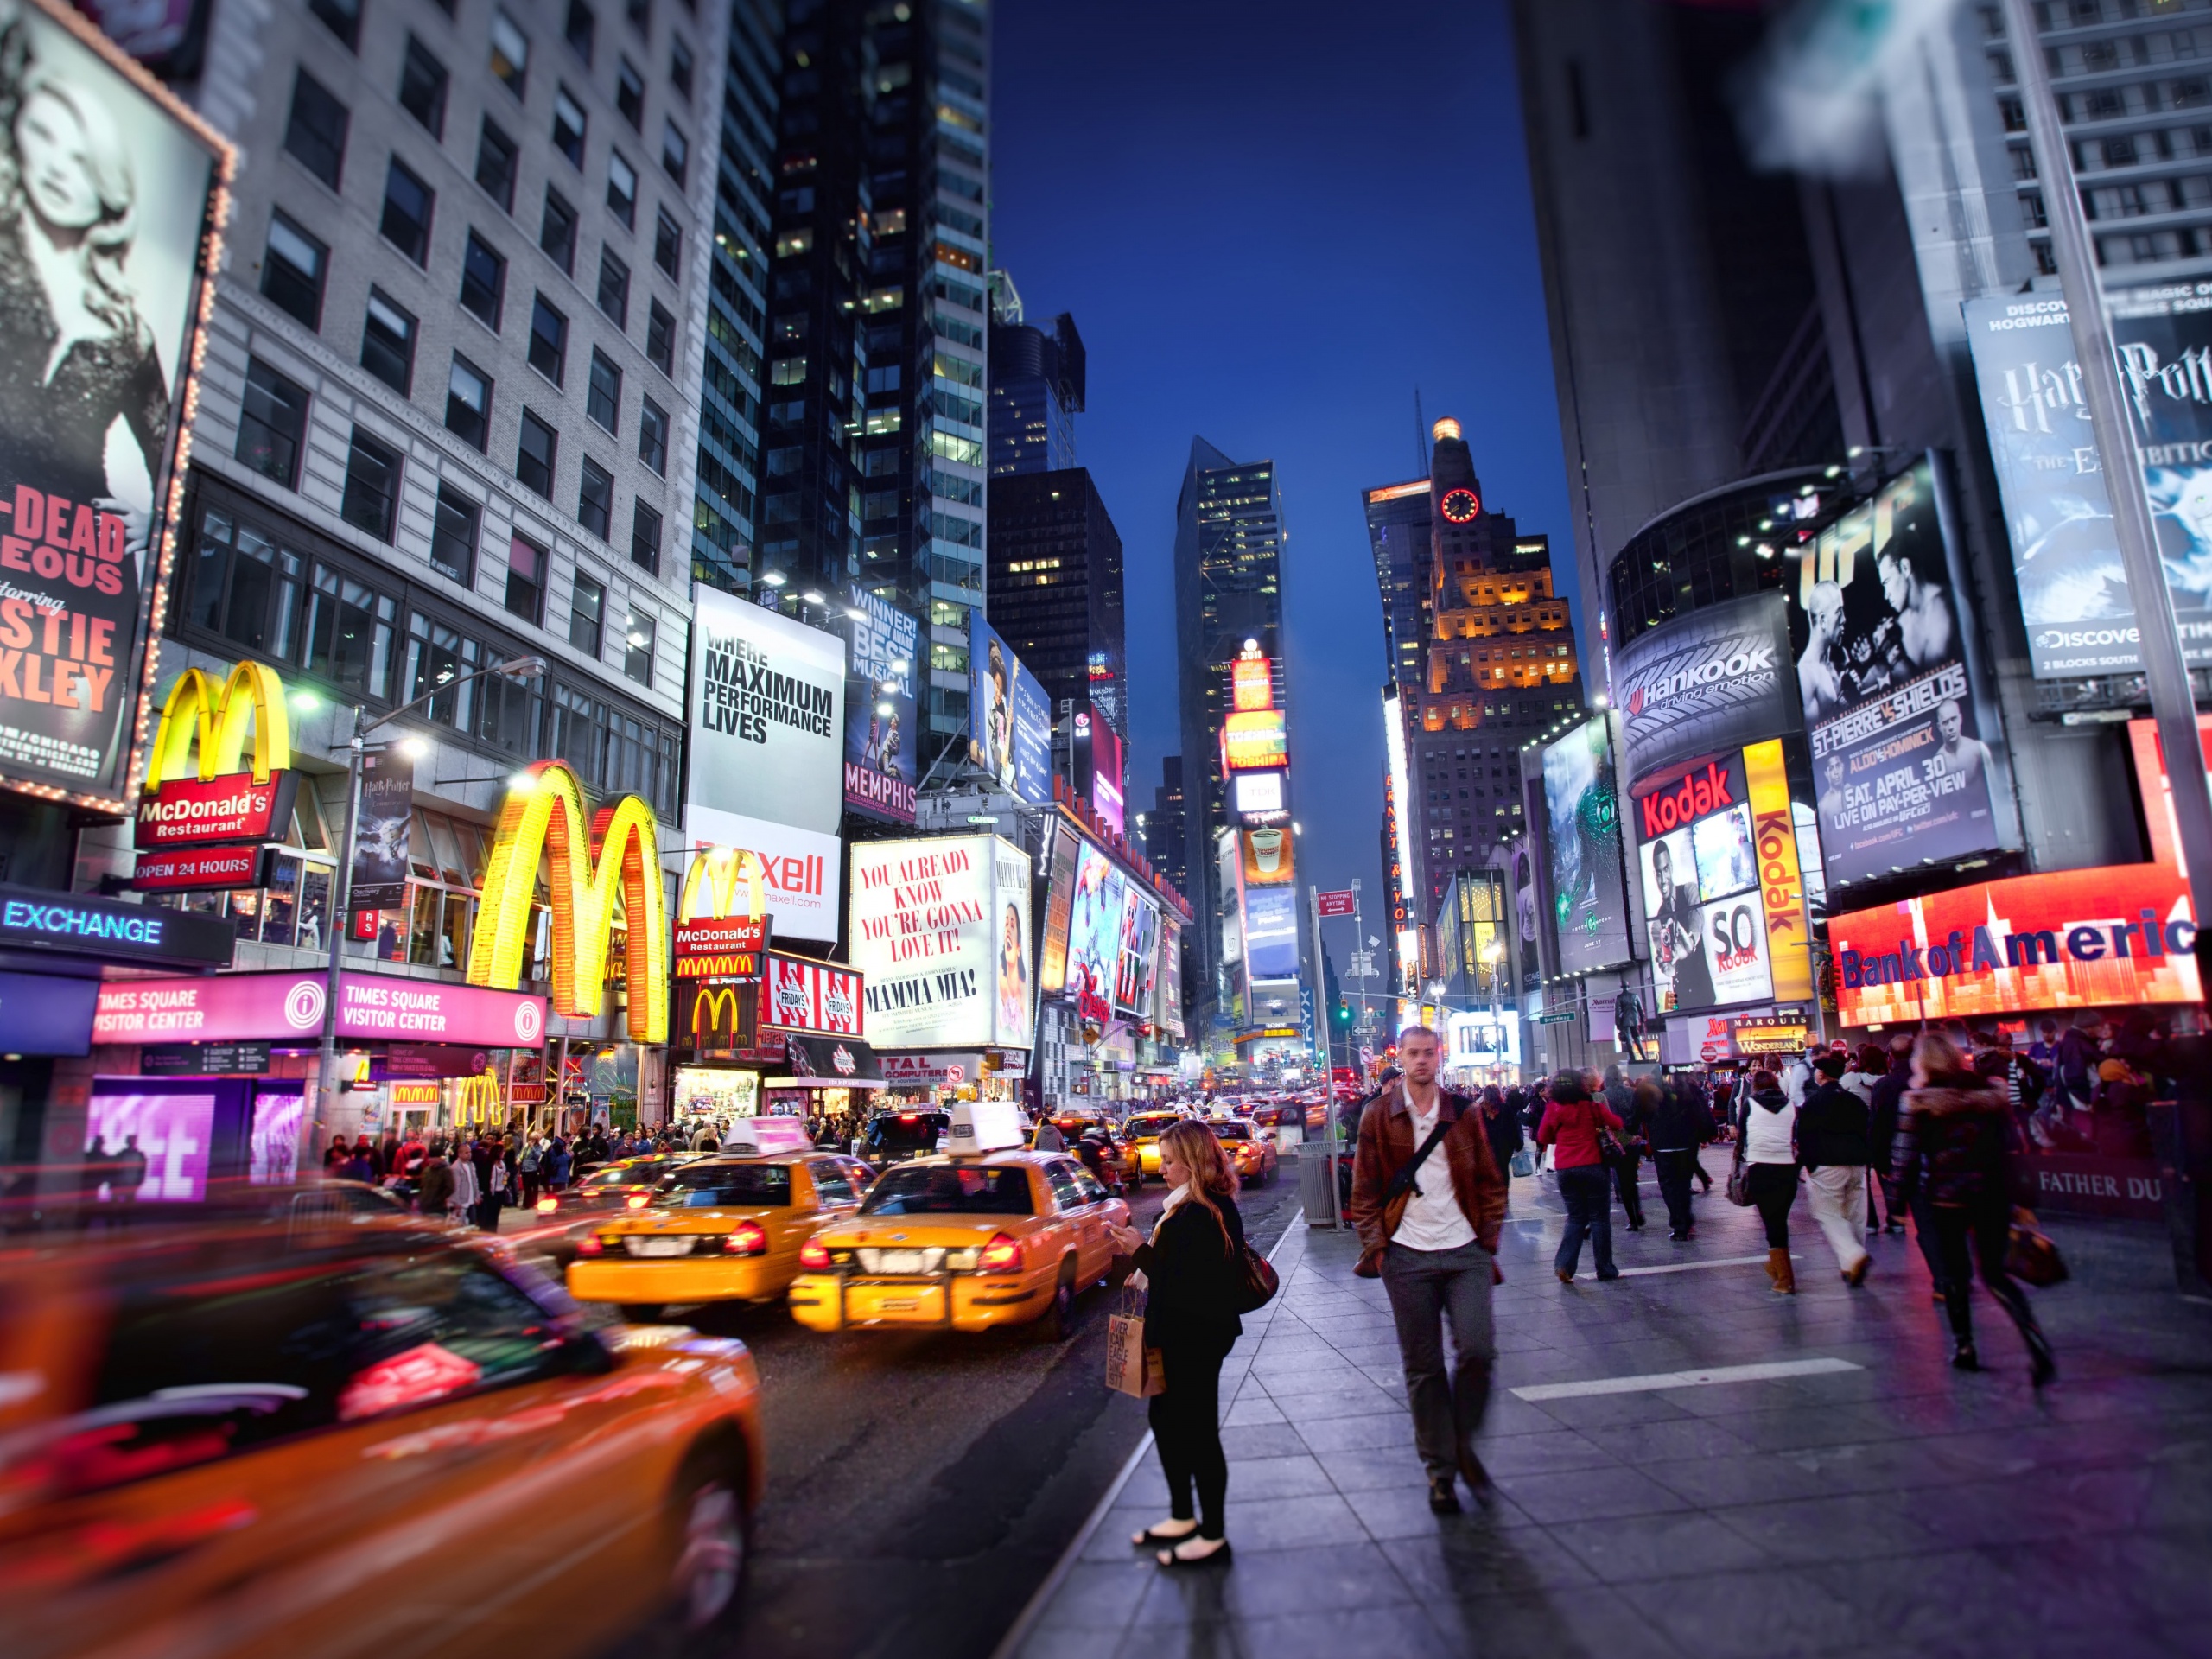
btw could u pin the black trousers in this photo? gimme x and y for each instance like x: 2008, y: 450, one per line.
x: 1774, y: 1189
x: 1675, y: 1172
x: 1624, y: 1183
x: 1986, y: 1226
x: 1187, y: 1428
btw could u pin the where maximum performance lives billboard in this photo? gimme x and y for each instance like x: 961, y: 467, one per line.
x: 767, y: 754
x: 2074, y: 594
x: 102, y: 264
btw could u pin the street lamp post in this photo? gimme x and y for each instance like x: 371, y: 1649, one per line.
x: 341, y: 888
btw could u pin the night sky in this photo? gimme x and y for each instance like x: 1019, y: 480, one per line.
x: 1272, y: 224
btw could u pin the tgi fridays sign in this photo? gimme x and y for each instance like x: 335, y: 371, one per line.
x: 798, y: 994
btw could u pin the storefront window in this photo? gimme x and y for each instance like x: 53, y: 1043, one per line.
x: 280, y: 904
x: 246, y: 912
x: 423, y: 936
x: 314, y: 908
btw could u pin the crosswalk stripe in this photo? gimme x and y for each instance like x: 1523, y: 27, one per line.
x: 1652, y: 1382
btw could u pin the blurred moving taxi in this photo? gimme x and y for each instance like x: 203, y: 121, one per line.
x: 965, y: 1242
x: 627, y: 1184
x: 1144, y: 1131
x: 256, y: 1436
x: 1252, y: 1152
x: 720, y: 1229
x: 892, y: 1137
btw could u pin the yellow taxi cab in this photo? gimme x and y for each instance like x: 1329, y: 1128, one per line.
x: 273, y: 1432
x: 1251, y: 1150
x: 1144, y: 1130
x: 719, y: 1228
x: 964, y: 1242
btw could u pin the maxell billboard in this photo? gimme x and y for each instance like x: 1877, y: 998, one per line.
x: 1706, y: 684
x: 767, y: 752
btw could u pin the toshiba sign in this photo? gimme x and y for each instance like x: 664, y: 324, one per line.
x: 1708, y: 684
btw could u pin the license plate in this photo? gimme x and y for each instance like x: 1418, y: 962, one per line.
x: 898, y: 1261
x: 660, y: 1247
x: 899, y: 1304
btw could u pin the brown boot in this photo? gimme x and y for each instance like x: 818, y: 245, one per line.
x: 1778, y: 1269
x: 1770, y: 1255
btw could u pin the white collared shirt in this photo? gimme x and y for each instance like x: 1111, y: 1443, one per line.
x: 1433, y: 1218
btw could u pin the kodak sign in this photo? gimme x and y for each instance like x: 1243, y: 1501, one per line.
x: 200, y: 788
x: 612, y: 867
x: 1684, y: 803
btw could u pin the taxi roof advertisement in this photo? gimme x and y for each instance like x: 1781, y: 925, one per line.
x: 940, y: 928
x: 767, y: 754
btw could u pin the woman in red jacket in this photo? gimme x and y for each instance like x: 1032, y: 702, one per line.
x: 1571, y: 1123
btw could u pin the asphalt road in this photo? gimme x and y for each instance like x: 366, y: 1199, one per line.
x: 920, y: 1487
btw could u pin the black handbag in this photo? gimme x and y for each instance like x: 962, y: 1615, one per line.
x: 1256, y: 1281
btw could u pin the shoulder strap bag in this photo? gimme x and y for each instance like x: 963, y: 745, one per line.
x: 1611, y: 1153
x: 1398, y: 1194
x: 1739, y: 1190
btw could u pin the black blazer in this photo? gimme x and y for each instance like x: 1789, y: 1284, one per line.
x: 1194, y: 1274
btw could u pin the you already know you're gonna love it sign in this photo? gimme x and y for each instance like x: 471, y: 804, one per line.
x: 940, y: 928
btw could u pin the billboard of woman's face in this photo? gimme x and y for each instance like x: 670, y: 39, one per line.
x: 103, y: 201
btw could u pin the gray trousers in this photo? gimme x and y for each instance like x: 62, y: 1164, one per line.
x: 1425, y: 1288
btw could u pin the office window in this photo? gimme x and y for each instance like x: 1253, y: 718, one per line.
x: 510, y: 53
x: 640, y: 14
x: 342, y: 18
x: 388, y: 342
x: 247, y: 588
x: 679, y: 67
x: 644, y: 536
x: 314, y: 134
x: 422, y: 88
x: 483, y: 282
x: 595, y: 500
x: 674, y: 153
x: 603, y: 397
x: 453, y: 536
x: 371, y: 498
x: 580, y: 30
x: 292, y: 270
x: 468, y: 403
x: 630, y: 95
x: 568, y: 127
x: 272, y: 424
x: 638, y: 635
x: 525, y: 580
x: 557, y: 235
x: 615, y: 287
x: 536, y: 451
x: 667, y: 244
x: 622, y: 189
x: 349, y: 633
x: 587, y: 615
x: 653, y: 435
x: 408, y: 205
x: 495, y: 164
x: 549, y: 340
x: 660, y: 339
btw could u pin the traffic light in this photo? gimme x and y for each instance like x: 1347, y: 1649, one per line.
x: 1343, y: 1012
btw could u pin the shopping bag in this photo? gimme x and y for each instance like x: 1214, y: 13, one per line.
x: 2030, y: 1256
x: 1131, y: 1368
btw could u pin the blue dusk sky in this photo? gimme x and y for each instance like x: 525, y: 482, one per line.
x: 1272, y: 223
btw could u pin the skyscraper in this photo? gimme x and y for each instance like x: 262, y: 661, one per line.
x: 1037, y: 383
x: 1164, y: 827
x: 1228, y: 539
x: 1056, y: 586
x: 873, y: 441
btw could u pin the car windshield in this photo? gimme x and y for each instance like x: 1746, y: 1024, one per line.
x: 908, y: 1132
x: 1230, y: 1132
x: 1149, y: 1126
x: 622, y: 1175
x: 954, y: 1190
x: 707, y: 1187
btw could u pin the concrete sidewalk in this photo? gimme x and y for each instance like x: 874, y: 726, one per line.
x: 1851, y: 1494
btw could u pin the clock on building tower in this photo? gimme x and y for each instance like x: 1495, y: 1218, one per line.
x: 1461, y: 504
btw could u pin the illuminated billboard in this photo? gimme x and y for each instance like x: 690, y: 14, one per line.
x: 1267, y: 858
x: 940, y: 932
x: 1582, y: 834
x: 881, y: 712
x: 1254, y: 741
x: 1709, y: 931
x: 1009, y: 717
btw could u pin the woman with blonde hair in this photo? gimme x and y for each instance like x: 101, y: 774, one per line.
x: 1192, y: 1268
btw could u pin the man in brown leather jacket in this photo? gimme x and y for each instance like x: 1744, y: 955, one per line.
x: 1435, y: 1243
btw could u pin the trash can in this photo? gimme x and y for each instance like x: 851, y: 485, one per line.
x: 1315, y: 1191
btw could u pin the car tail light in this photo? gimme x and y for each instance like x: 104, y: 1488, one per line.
x: 1002, y: 1254
x: 591, y: 1244
x: 548, y: 1205
x: 748, y: 1238
x: 814, y: 1257
x: 639, y: 1200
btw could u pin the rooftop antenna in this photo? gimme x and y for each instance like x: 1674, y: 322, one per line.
x: 1421, y: 434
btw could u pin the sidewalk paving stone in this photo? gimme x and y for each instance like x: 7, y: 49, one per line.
x: 1901, y: 1508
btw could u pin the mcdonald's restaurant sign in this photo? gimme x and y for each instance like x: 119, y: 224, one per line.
x: 719, y: 1019
x: 200, y: 790
x: 614, y: 864
x: 477, y: 1100
x: 712, y: 942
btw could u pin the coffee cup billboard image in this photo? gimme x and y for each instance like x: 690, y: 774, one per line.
x: 1268, y: 858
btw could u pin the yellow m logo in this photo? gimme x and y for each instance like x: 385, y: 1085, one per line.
x: 547, y: 819
x: 706, y: 1012
x: 710, y: 885
x: 198, y: 716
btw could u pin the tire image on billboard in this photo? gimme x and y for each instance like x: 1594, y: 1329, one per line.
x: 100, y: 272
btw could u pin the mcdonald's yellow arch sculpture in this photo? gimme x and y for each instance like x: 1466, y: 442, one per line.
x: 197, y: 714
x: 711, y: 883
x: 547, y: 817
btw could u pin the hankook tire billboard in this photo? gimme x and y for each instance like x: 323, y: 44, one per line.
x: 1708, y: 683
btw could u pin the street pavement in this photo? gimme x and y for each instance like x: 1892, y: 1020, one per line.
x: 1871, y: 1501
x: 920, y: 1487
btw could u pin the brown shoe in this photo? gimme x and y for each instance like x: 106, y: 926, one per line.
x: 1855, y: 1275
x: 1778, y: 1269
x: 1564, y: 1277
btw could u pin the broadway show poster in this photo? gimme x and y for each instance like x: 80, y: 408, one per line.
x: 1902, y: 775
x: 1010, y: 716
x: 2074, y: 594
x: 881, y: 710
x: 1094, y: 929
x: 104, y: 207
x: 383, y: 833
x: 1582, y: 830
